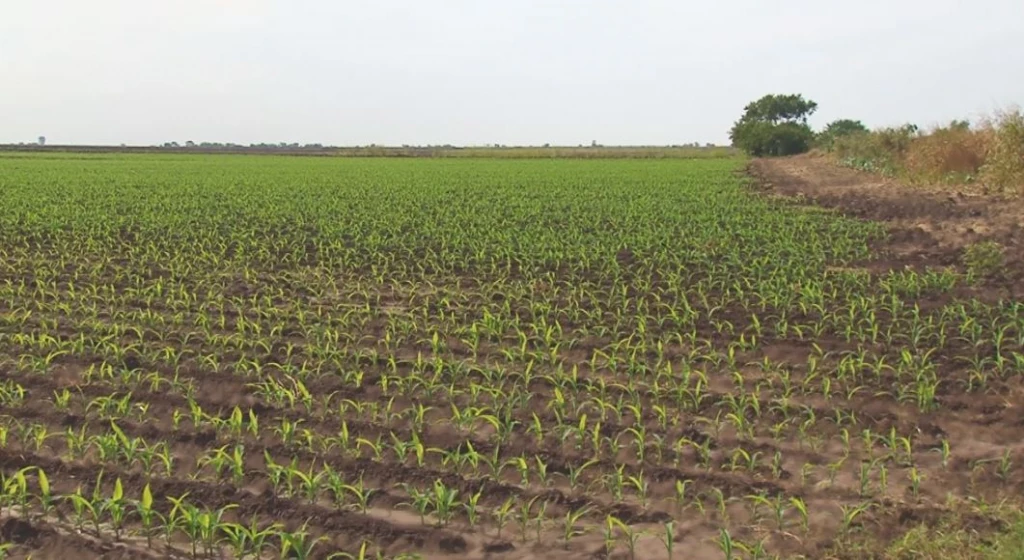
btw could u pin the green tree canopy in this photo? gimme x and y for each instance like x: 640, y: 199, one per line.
x: 780, y: 108
x: 837, y: 129
x: 775, y: 125
x: 843, y: 127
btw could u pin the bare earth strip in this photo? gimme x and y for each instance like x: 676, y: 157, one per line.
x: 928, y: 226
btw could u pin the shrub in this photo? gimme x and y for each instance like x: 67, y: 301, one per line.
x: 762, y: 139
x: 983, y: 259
x: 950, y: 154
x: 896, y: 141
x: 775, y: 125
x: 835, y: 130
x: 880, y: 151
x: 1003, y: 169
x: 991, y: 154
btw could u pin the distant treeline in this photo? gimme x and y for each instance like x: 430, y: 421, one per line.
x: 524, y: 152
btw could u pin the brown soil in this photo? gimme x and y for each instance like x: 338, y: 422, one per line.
x: 927, y: 229
x: 928, y: 226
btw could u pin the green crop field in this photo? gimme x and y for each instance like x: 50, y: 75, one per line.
x: 260, y: 356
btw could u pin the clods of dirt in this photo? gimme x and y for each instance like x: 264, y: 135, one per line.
x: 930, y: 225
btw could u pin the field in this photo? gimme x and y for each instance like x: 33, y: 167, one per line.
x: 505, y: 152
x: 259, y: 356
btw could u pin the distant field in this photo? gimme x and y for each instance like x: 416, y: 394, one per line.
x: 220, y: 356
x: 565, y: 152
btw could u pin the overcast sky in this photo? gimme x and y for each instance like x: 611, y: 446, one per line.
x: 350, y: 72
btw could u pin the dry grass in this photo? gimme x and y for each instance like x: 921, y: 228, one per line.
x: 946, y: 155
x: 989, y: 155
x: 1004, y: 163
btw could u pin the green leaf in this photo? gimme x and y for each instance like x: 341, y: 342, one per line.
x: 120, y: 434
x: 44, y: 482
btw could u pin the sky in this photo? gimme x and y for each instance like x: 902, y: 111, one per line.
x: 473, y: 72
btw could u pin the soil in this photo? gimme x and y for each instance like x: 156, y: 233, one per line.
x: 927, y: 228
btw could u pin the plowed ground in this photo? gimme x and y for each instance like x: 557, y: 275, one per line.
x: 861, y: 453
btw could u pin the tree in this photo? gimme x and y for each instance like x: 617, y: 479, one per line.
x: 837, y: 129
x: 775, y: 125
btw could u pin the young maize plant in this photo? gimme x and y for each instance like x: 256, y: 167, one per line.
x: 618, y: 348
x: 249, y: 540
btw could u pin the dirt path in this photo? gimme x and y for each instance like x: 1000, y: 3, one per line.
x: 928, y: 226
